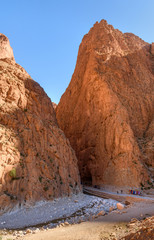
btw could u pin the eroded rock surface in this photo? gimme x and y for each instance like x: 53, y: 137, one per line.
x: 37, y: 161
x: 140, y: 229
x: 107, y: 109
x: 152, y: 48
x: 5, y: 49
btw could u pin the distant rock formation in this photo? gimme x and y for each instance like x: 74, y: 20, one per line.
x: 107, y: 110
x: 54, y: 105
x: 5, y: 48
x: 36, y: 160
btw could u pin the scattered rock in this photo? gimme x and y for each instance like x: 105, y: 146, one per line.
x: 141, y: 230
x: 61, y: 225
x: 111, y: 209
x: 134, y: 220
x: 127, y: 203
x: 28, y: 231
x: 101, y: 213
x: 113, y: 234
x: 66, y: 224
x: 120, y: 206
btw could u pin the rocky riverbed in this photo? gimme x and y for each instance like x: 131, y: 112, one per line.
x: 49, y: 214
x: 133, y: 221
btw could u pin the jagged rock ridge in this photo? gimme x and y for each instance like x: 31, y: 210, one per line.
x: 37, y: 161
x: 107, y: 109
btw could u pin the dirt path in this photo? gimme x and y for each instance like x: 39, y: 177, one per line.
x: 118, y: 197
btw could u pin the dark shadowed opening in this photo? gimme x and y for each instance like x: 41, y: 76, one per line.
x: 86, y: 178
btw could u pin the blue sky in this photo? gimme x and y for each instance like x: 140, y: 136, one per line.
x: 45, y: 34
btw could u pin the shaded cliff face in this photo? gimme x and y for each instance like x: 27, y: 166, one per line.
x: 107, y: 109
x: 37, y: 161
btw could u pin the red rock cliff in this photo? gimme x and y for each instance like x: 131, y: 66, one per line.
x: 37, y: 161
x: 5, y: 49
x: 107, y: 109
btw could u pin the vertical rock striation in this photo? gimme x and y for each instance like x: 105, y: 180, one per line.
x: 37, y: 161
x: 107, y: 109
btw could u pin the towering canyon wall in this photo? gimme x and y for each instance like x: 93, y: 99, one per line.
x: 107, y: 109
x: 37, y: 161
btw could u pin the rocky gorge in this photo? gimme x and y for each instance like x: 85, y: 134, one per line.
x: 100, y: 135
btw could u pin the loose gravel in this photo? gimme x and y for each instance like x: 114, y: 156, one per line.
x: 49, y: 214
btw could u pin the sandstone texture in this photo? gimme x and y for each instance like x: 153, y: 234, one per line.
x: 107, y: 109
x: 37, y: 161
x: 141, y: 230
x: 5, y: 49
x: 152, y: 48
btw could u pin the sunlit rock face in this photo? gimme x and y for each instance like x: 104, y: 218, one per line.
x: 152, y: 48
x: 107, y: 109
x: 5, y: 49
x: 36, y: 159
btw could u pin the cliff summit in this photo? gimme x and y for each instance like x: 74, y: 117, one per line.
x: 5, y: 49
